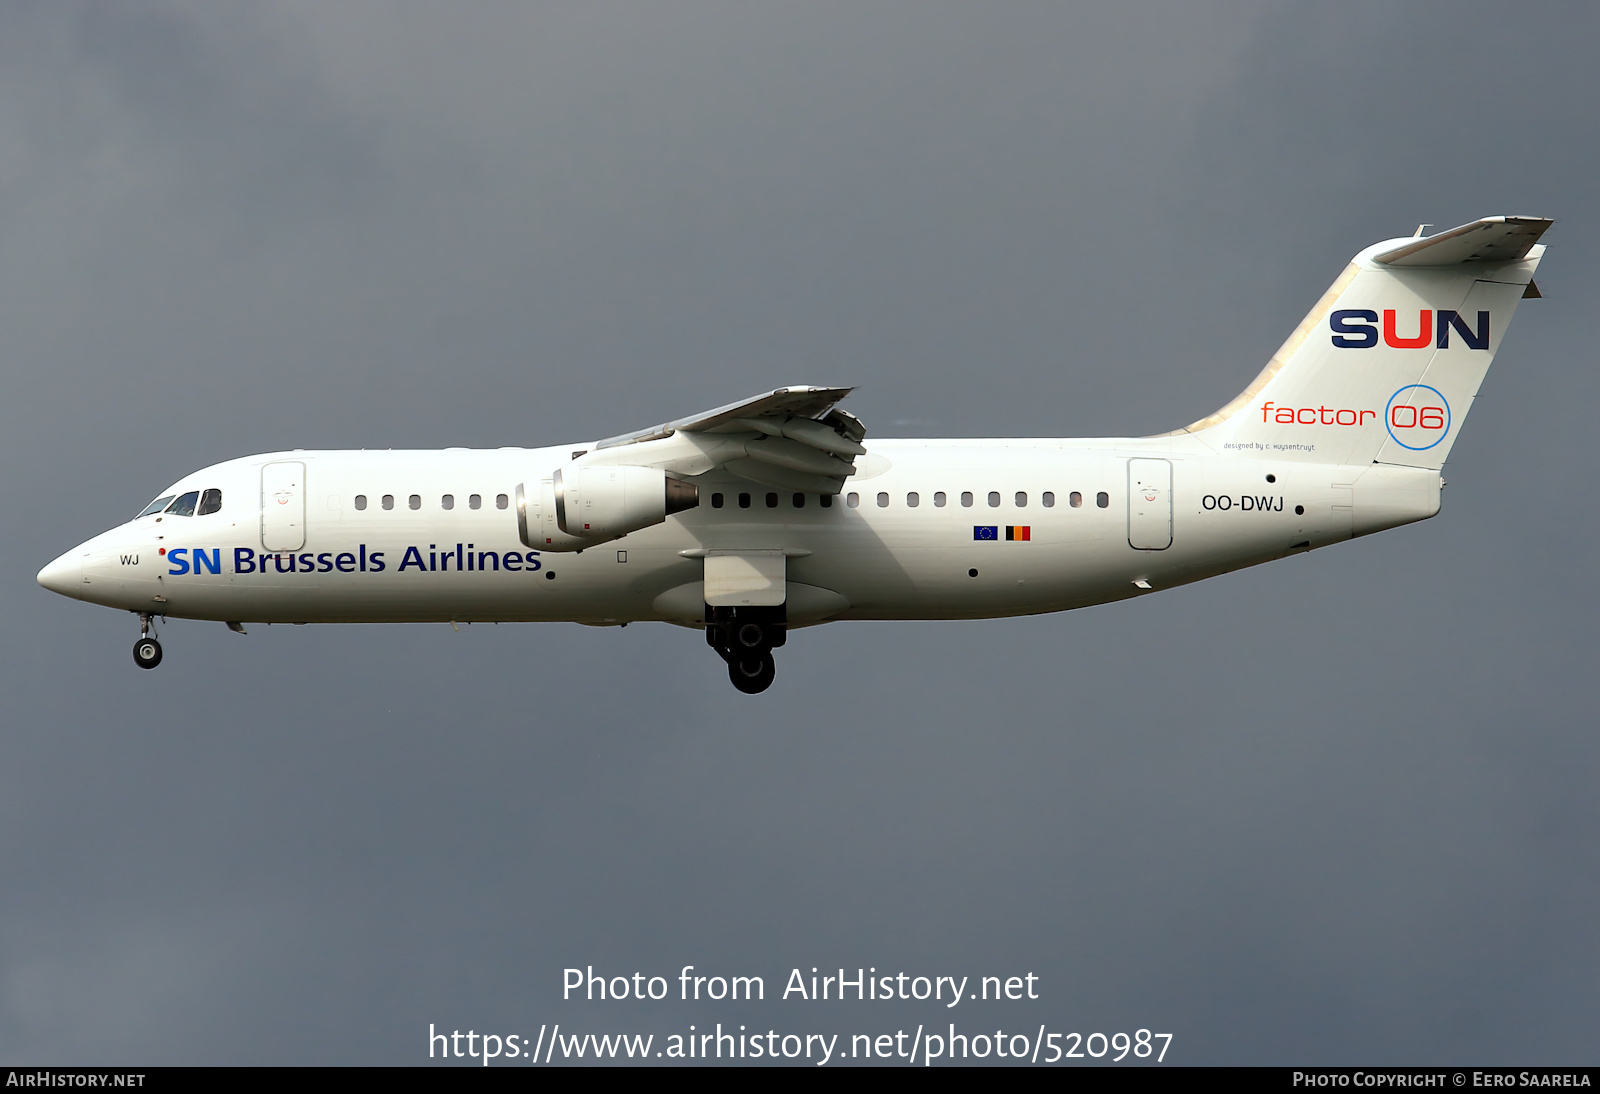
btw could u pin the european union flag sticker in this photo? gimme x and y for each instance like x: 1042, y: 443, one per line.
x: 985, y: 531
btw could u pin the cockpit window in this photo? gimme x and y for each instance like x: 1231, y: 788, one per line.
x: 156, y: 506
x: 184, y: 506
x: 210, y: 502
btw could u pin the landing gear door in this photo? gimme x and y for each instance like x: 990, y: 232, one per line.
x: 1150, y: 504
x: 746, y: 579
x: 283, y: 506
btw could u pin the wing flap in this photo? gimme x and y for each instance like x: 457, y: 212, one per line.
x: 797, y: 457
x: 782, y: 478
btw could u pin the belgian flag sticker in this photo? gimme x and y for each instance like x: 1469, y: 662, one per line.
x: 1020, y: 532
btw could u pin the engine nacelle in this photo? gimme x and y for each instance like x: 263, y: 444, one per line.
x: 580, y: 506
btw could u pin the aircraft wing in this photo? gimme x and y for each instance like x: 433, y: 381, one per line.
x: 793, y: 438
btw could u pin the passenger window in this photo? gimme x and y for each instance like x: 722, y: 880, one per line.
x: 744, y: 501
x: 157, y: 505
x: 500, y: 501
x: 415, y: 501
x: 772, y: 501
x: 938, y: 499
x: 1049, y: 499
x: 883, y: 501
x: 361, y: 501
x: 210, y: 502
x: 184, y: 506
x: 388, y: 501
x: 826, y: 500
x: 799, y: 501
x: 913, y: 500
x: 475, y: 501
x: 853, y: 500
x: 1102, y: 499
x: 1075, y: 500
x: 447, y: 502
x: 966, y: 498
x: 994, y: 499
x: 1022, y: 499
x: 716, y: 501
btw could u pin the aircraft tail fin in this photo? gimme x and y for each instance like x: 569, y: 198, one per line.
x: 1385, y: 367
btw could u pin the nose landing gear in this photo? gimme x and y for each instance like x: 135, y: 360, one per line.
x: 745, y: 639
x: 146, y: 651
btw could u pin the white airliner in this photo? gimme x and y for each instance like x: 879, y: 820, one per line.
x: 776, y: 512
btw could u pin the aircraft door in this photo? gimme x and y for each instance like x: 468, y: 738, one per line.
x: 1150, y: 504
x: 283, y: 506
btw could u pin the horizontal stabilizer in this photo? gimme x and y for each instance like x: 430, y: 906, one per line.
x: 1492, y: 239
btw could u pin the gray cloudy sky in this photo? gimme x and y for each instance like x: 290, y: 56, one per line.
x: 1339, y: 809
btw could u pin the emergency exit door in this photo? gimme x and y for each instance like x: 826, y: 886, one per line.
x: 283, y: 506
x: 1150, y: 504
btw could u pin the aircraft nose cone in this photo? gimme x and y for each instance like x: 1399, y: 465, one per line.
x: 64, y: 575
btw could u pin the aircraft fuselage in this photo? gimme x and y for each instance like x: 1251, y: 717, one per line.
x: 938, y: 529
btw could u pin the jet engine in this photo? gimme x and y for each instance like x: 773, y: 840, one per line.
x: 580, y: 506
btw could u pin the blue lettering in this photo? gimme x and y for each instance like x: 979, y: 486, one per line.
x: 413, y: 557
x: 180, y: 564
x: 376, y: 560
x: 202, y: 562
x: 533, y: 560
x: 277, y: 562
x: 485, y: 555
x: 1341, y: 323
x: 346, y: 563
x: 514, y: 560
x: 324, y: 562
x: 1478, y: 339
x: 244, y: 560
x: 306, y: 565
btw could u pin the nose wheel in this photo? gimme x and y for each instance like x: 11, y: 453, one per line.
x: 146, y: 651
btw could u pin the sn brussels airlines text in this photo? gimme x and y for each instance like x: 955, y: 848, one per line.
x: 457, y: 558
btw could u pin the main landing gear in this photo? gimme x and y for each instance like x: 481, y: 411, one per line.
x: 146, y: 651
x: 745, y: 639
